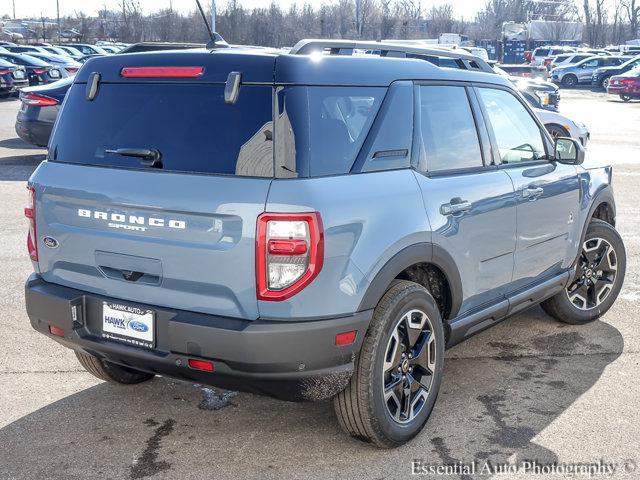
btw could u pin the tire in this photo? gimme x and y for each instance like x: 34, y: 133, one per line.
x: 625, y: 98
x: 605, y: 82
x: 361, y: 408
x: 110, y: 372
x: 557, y: 131
x: 578, y: 304
x: 569, y: 80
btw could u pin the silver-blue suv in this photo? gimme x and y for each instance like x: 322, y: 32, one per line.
x: 314, y: 224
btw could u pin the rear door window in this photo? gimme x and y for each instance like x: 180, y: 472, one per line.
x: 448, y: 135
x: 541, y: 52
x: 189, y: 124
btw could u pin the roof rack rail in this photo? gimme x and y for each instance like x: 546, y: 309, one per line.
x: 396, y: 50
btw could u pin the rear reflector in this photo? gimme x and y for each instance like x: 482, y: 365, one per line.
x: 201, y: 365
x: 162, y: 72
x: 57, y: 331
x: 30, y: 213
x: 346, y: 338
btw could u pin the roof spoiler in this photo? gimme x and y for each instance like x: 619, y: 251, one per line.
x: 396, y: 50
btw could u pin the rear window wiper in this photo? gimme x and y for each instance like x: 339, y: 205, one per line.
x: 151, y: 157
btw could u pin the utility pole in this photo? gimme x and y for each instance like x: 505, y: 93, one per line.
x: 213, y: 15
x: 58, y: 15
x: 14, y: 9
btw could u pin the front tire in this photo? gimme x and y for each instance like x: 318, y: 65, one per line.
x: 110, y: 372
x: 605, y: 82
x: 557, y: 131
x: 625, y: 98
x: 598, y: 279
x: 569, y: 80
x: 398, y: 372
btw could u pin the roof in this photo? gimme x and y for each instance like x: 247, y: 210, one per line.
x: 269, y: 66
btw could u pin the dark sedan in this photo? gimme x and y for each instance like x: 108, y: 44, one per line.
x: 12, y: 78
x: 38, y: 71
x: 601, y: 76
x: 39, y: 109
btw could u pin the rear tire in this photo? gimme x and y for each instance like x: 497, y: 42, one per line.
x: 625, y: 98
x: 569, y: 80
x: 110, y: 372
x: 605, y: 82
x: 398, y: 372
x: 594, y: 289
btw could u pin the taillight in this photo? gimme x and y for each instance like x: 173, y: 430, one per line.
x: 162, y: 72
x: 71, y: 69
x: 40, y: 70
x: 35, y: 100
x: 30, y: 213
x: 289, y: 253
x: 4, y: 72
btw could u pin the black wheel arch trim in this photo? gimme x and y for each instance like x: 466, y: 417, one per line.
x: 408, y: 256
x: 603, y: 196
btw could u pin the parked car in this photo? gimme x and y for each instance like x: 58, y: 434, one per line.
x: 67, y: 65
x: 270, y: 262
x: 157, y: 46
x: 626, y: 85
x: 88, y: 49
x: 12, y: 78
x: 58, y: 51
x: 110, y: 48
x: 525, y: 71
x: 25, y: 49
x: 38, y: 71
x: 39, y: 110
x: 567, y: 59
x: 581, y: 72
x: 2, y: 49
x: 73, y: 52
x: 600, y: 77
x: 538, y: 93
x: 559, y: 125
x: 540, y: 53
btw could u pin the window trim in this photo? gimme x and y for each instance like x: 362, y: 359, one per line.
x: 546, y: 137
x: 478, y: 120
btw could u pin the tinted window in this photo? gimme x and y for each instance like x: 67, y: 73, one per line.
x: 190, y: 125
x: 561, y: 58
x: 517, y: 134
x: 448, y: 135
x: 590, y: 63
x: 541, y: 52
x: 611, y: 61
x: 321, y: 129
x: 27, y: 60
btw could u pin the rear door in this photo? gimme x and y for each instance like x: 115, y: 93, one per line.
x: 179, y: 234
x: 469, y: 202
x: 547, y: 192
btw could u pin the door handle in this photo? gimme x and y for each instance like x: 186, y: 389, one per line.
x: 532, y: 193
x: 457, y: 205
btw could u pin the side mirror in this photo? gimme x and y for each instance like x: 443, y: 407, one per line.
x: 569, y: 151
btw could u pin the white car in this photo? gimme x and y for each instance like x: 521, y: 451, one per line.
x: 559, y: 125
x: 568, y: 59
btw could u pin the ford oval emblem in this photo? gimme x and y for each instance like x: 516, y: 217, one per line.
x: 50, y: 242
x: 138, y: 326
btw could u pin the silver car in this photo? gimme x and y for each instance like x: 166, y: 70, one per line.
x: 580, y: 73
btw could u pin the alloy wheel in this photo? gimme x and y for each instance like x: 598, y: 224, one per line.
x: 409, y: 366
x: 595, y: 276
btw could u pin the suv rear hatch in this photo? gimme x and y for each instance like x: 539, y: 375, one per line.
x: 179, y: 233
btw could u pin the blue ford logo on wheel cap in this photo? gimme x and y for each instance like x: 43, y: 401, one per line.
x: 50, y: 242
x: 138, y: 326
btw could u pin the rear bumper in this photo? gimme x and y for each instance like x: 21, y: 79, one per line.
x: 35, y: 132
x: 290, y: 360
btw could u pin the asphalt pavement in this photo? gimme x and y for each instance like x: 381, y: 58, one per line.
x: 530, y: 393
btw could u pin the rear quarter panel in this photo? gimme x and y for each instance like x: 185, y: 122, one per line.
x: 367, y: 219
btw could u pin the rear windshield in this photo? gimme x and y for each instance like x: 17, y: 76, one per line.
x: 189, y: 124
x: 541, y: 52
x: 320, y: 130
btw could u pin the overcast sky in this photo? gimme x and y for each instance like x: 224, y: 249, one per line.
x: 31, y: 8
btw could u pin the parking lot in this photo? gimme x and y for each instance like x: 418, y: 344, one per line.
x: 528, y: 389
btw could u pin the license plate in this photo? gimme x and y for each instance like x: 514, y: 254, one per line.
x: 18, y: 75
x: 128, y: 324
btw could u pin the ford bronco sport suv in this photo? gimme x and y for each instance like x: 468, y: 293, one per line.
x: 308, y: 225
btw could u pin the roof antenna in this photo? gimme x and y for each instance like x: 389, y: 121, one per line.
x: 212, y: 42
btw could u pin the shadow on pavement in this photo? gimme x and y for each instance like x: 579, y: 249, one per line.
x: 17, y: 144
x: 490, y: 408
x: 19, y: 167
